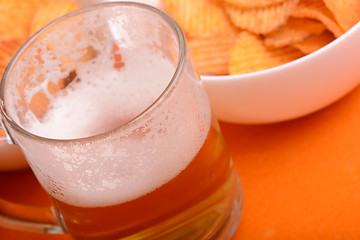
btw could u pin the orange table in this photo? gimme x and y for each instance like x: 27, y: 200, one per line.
x: 301, y: 178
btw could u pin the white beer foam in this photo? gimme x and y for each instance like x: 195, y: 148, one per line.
x: 127, y: 162
x: 104, y: 97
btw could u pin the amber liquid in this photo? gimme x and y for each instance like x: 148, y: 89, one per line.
x: 198, y: 188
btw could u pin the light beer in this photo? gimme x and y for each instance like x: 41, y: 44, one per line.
x: 205, y: 185
x: 120, y: 129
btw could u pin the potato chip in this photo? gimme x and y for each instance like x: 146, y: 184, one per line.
x: 286, y: 30
x: 52, y: 88
x: 89, y: 53
x: 15, y: 17
x: 71, y: 77
x: 346, y: 12
x: 261, y: 20
x: 211, y: 54
x: 7, y: 50
x: 295, y: 30
x: 39, y: 104
x: 253, y: 3
x: 117, y: 57
x: 250, y: 54
x: 316, y: 9
x: 315, y: 42
x: 199, y: 17
x: 50, y: 11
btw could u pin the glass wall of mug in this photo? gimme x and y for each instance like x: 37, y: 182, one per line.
x: 114, y: 122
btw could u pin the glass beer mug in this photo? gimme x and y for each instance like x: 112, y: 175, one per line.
x: 117, y: 128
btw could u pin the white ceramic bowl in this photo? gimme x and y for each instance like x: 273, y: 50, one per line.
x: 291, y: 90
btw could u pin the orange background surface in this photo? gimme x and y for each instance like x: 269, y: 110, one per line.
x: 301, y: 178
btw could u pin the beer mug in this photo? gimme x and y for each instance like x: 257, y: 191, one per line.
x: 114, y: 122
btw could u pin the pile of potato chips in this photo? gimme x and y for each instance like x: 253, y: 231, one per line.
x: 242, y: 36
x: 224, y: 36
x: 19, y: 19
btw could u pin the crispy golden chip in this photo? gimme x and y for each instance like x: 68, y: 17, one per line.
x: 212, y: 28
x: 211, y: 54
x: 7, y: 50
x: 253, y: 3
x: 317, y: 10
x: 315, y: 42
x: 52, y: 88
x: 50, y: 11
x: 199, y: 17
x: 261, y: 20
x: 15, y: 17
x: 250, y: 54
x: 346, y: 12
x: 39, y: 104
x: 295, y: 30
x: 89, y: 53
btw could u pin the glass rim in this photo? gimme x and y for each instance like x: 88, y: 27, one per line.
x: 173, y: 25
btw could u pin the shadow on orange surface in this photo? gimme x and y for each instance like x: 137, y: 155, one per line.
x: 301, y: 178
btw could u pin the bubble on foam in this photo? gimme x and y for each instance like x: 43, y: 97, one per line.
x: 126, y: 163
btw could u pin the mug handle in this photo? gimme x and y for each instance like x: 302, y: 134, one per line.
x: 29, y: 218
x: 23, y: 217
